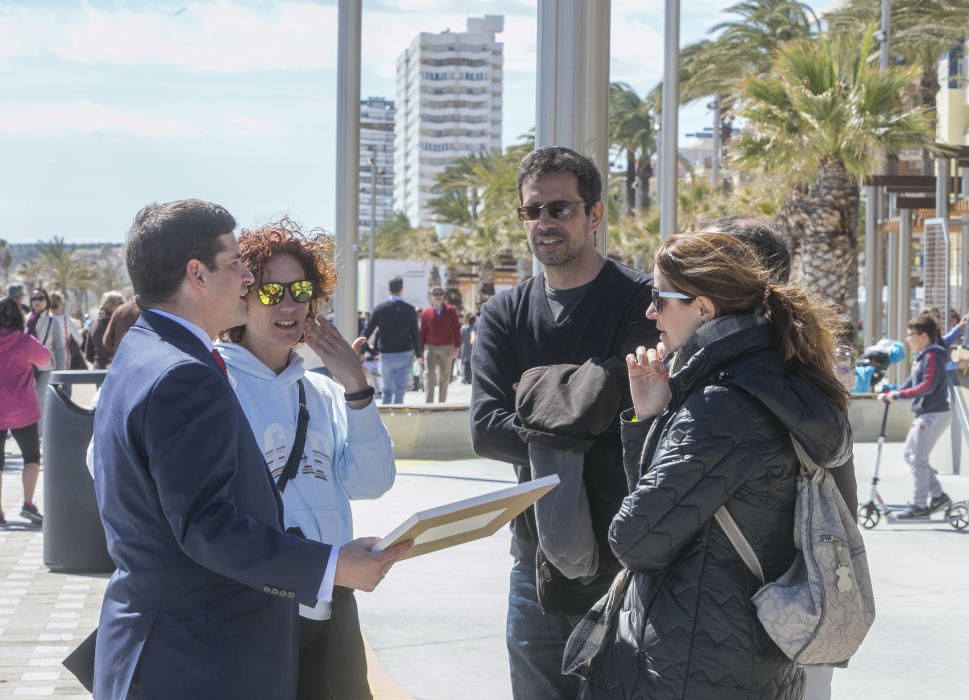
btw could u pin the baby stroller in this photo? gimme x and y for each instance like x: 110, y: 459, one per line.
x: 874, y: 362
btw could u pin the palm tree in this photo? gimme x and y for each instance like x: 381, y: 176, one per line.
x: 819, y: 120
x: 744, y: 46
x: 921, y: 32
x: 632, y: 134
x: 68, y: 272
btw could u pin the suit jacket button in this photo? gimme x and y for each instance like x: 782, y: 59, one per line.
x: 266, y: 589
x: 290, y: 594
x: 275, y: 591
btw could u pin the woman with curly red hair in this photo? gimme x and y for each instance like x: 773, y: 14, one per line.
x: 346, y: 452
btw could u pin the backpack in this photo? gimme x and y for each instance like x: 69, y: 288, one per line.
x: 819, y: 611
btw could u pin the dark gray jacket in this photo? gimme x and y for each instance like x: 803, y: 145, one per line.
x: 687, y: 628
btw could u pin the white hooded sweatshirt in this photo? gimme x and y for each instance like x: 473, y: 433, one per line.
x: 347, y: 455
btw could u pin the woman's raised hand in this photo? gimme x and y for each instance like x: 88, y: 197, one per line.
x: 649, y: 382
x: 339, y: 356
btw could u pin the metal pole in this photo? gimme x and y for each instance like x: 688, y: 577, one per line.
x: 668, y: 162
x: 371, y: 262
x: 347, y: 164
x: 715, y: 160
x: 904, y: 279
x: 572, y: 106
x: 891, y: 299
x: 871, y: 252
x: 885, y: 38
x: 942, y: 190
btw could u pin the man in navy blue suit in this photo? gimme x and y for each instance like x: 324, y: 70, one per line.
x: 204, y: 600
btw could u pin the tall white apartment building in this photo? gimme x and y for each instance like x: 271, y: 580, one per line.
x: 448, y: 106
x: 376, y: 139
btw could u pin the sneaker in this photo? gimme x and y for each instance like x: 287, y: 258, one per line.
x: 915, y: 513
x: 940, y: 502
x: 30, y: 512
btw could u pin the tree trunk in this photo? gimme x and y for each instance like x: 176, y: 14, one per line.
x: 643, y: 174
x: 827, y: 216
x: 452, y: 289
x: 630, y: 190
x: 928, y: 87
x: 486, y: 283
x: 434, y: 277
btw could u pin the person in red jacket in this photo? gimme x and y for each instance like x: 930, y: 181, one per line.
x: 440, y: 343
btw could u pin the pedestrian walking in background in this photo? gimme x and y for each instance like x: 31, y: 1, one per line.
x: 398, y: 341
x: 40, y: 324
x: 467, y: 342
x: 441, y: 343
x: 16, y: 292
x: 122, y: 319
x: 96, y: 352
x: 347, y: 453
x: 70, y: 332
x: 926, y: 384
x: 20, y: 356
x: 711, y: 427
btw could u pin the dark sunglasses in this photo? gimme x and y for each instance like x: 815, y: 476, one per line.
x: 560, y: 211
x: 659, y: 295
x: 271, y: 293
x: 38, y: 298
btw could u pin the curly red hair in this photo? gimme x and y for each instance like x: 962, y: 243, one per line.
x: 312, y: 249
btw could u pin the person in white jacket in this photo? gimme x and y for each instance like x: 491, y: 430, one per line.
x: 347, y: 452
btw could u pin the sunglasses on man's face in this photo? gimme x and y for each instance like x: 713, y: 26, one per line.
x: 659, y: 295
x: 560, y: 211
x: 271, y: 293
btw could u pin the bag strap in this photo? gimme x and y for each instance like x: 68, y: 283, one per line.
x: 732, y: 530
x: 289, y: 471
x: 739, y: 542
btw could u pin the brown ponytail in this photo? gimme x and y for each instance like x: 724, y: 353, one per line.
x: 722, y: 268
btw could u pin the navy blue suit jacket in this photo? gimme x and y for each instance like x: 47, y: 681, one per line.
x: 204, y: 600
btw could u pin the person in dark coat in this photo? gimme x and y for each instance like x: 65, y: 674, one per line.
x: 749, y: 365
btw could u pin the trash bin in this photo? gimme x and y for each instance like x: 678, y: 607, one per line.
x: 73, y: 535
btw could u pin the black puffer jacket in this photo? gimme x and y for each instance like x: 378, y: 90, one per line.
x: 687, y: 628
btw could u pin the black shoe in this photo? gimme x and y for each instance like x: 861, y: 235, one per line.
x: 915, y: 513
x: 940, y: 502
x: 30, y: 512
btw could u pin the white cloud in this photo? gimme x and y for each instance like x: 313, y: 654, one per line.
x: 215, y: 36
x: 87, y: 118
x: 244, y: 125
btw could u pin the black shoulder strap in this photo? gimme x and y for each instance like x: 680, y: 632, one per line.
x: 292, y: 464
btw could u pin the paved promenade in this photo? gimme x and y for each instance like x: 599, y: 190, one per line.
x: 436, y: 624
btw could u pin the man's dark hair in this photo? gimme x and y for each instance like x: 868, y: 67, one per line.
x: 15, y: 291
x: 558, y: 159
x: 164, y: 237
x: 11, y: 315
x: 767, y: 239
x: 396, y: 285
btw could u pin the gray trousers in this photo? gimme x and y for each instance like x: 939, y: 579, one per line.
x: 925, y: 432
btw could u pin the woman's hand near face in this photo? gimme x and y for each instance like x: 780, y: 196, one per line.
x: 649, y: 382
x: 339, y: 356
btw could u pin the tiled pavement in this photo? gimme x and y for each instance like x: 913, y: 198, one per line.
x: 43, y: 615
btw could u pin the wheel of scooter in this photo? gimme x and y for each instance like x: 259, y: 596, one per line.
x: 957, y: 515
x: 869, y: 516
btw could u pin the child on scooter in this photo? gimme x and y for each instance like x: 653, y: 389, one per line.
x: 927, y: 385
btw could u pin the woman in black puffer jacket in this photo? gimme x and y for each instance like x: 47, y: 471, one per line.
x: 749, y: 366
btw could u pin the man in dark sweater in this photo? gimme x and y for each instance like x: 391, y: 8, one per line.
x: 583, y: 306
x: 398, y: 341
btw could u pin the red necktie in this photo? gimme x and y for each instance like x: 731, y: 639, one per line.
x: 221, y: 363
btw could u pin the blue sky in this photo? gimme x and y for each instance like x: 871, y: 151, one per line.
x: 107, y: 105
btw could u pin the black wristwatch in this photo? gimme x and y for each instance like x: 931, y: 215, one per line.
x: 364, y: 393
